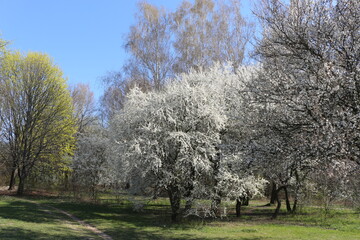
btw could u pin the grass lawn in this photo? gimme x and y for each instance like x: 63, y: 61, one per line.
x: 22, y: 219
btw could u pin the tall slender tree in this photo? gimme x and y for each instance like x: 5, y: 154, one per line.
x: 84, y: 106
x: 149, y: 45
x: 208, y: 31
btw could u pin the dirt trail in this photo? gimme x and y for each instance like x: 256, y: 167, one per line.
x: 86, y: 225
x: 80, y: 222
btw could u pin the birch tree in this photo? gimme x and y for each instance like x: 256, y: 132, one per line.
x: 84, y: 106
x: 207, y: 32
x: 149, y: 45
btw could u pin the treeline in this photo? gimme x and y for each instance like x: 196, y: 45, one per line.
x: 187, y: 118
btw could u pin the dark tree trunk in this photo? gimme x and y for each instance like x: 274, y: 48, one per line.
x: 216, y: 201
x: 21, y: 172
x: 93, y: 192
x: 238, y: 208
x: 189, y: 188
x: 12, y: 179
x: 288, y: 206
x: 21, y: 186
x: 245, y: 201
x: 188, y: 205
x: 296, y: 192
x: 273, y: 193
x: 277, y: 199
x: 174, y: 196
x: 66, y: 180
x: 294, y: 206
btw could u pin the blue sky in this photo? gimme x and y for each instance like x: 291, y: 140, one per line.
x: 84, y: 37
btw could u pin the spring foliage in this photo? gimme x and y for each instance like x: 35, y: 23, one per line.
x: 35, y: 111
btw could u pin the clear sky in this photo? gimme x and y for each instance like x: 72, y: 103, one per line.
x: 84, y: 37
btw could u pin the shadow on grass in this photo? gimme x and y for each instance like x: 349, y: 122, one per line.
x: 121, y: 222
x: 25, y: 211
x: 16, y: 233
x: 21, y: 219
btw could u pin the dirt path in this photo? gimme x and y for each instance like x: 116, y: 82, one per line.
x: 81, y: 222
x: 47, y: 209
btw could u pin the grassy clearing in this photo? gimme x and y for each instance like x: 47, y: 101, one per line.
x: 23, y: 220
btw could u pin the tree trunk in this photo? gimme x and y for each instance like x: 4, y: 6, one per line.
x: 216, y: 199
x: 288, y: 206
x: 294, y: 206
x: 22, y: 177
x: 245, y: 201
x: 66, y: 180
x: 188, y: 205
x: 298, y: 181
x: 12, y: 179
x: 189, y: 188
x: 93, y: 192
x: 215, y: 205
x: 277, y: 199
x: 174, y: 196
x: 21, y: 186
x: 273, y: 193
x: 238, y: 207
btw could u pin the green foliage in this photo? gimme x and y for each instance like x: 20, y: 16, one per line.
x: 2, y: 46
x: 36, y: 112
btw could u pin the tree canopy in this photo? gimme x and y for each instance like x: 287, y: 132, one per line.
x: 35, y: 111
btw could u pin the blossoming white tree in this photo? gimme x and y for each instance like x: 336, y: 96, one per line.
x: 172, y: 140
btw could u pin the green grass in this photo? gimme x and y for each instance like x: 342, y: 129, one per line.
x: 20, y: 219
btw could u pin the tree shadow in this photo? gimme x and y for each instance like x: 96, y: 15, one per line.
x: 123, y: 223
x: 16, y: 233
x: 26, y: 211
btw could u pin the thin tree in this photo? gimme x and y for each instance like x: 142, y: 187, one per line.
x: 149, y: 44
